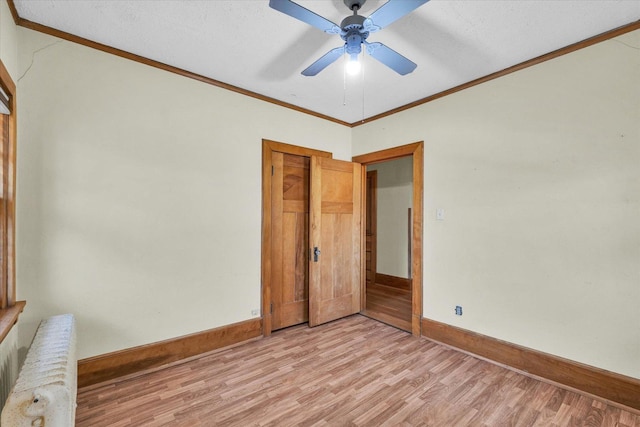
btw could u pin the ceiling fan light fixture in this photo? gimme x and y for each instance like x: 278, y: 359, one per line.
x: 353, y: 66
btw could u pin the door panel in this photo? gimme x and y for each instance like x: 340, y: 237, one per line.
x: 335, y: 229
x: 289, y: 222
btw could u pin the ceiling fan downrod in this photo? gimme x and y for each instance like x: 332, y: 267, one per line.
x: 354, y: 5
x: 353, y: 29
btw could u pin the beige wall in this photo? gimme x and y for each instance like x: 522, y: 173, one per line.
x: 394, y: 198
x: 139, y: 198
x: 539, y: 175
x: 140, y: 195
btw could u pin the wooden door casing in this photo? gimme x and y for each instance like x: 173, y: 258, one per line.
x: 290, y: 222
x: 416, y: 150
x: 335, y: 229
x: 371, y: 228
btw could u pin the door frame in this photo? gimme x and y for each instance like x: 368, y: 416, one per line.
x: 268, y: 147
x: 416, y: 150
x: 372, y: 205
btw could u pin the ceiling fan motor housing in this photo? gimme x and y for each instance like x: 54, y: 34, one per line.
x: 353, y: 33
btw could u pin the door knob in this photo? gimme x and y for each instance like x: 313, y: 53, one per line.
x: 316, y: 253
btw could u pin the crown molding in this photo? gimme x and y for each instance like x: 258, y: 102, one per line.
x: 137, y: 58
x: 521, y: 66
x: 156, y: 64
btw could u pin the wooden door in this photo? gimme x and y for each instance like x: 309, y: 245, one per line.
x: 335, y: 230
x: 290, y: 226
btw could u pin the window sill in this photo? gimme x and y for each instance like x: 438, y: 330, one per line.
x: 9, y: 317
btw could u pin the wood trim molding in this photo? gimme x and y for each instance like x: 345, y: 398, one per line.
x: 388, y: 154
x: 268, y: 147
x: 608, y: 385
x: 14, y: 12
x: 123, y: 54
x: 9, y: 87
x: 417, y: 234
x: 417, y: 151
x: 7, y: 83
x: 294, y: 149
x: 526, y: 64
x: 9, y: 317
x: 156, y: 64
x: 393, y: 281
x: 129, y: 361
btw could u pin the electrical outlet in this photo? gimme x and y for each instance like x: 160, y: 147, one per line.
x: 458, y: 310
x: 255, y: 312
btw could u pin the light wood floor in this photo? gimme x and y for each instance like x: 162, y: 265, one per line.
x: 389, y: 305
x: 352, y: 372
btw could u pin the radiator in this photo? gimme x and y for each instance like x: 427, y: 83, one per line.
x: 45, y: 392
x: 8, y: 364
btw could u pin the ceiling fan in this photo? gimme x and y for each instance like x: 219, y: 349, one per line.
x: 354, y: 30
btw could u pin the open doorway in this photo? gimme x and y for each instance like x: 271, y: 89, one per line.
x: 388, y: 228
x: 393, y: 236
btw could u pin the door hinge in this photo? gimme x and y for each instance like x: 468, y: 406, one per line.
x: 272, y: 170
x: 271, y: 309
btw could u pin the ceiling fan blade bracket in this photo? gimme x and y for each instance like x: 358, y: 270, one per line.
x: 371, y: 47
x: 369, y: 26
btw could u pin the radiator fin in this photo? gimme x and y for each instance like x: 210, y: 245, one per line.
x: 46, y: 389
x: 8, y: 364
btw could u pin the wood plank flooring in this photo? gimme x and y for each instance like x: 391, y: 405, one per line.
x: 390, y: 305
x: 351, y: 372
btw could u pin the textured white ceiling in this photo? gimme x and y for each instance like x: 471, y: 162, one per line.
x: 249, y: 45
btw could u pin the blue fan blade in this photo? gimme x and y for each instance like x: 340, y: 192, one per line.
x: 305, y: 15
x: 389, y: 12
x: 323, y: 62
x: 390, y: 58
